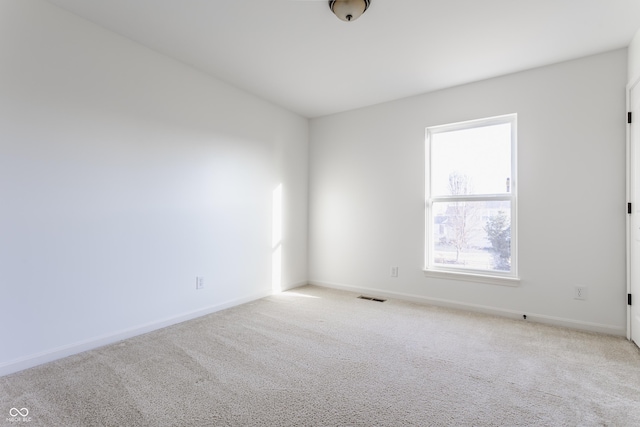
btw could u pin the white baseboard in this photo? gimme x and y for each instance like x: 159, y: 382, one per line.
x: 512, y: 314
x: 32, y: 360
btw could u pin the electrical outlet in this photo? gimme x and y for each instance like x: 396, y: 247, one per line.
x: 580, y: 292
x: 199, y: 282
x: 394, y: 271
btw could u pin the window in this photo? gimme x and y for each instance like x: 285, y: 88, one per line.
x: 471, y: 206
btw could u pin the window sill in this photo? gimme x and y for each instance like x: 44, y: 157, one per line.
x: 471, y: 277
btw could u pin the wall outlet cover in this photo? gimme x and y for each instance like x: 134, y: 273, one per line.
x: 580, y: 292
x: 394, y: 271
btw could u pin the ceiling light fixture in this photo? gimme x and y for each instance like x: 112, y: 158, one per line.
x: 349, y: 10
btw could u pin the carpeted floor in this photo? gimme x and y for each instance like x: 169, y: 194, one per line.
x: 320, y: 357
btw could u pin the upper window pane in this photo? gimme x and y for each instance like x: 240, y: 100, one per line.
x: 471, y: 161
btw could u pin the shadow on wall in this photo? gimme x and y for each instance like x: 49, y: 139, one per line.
x: 276, y: 241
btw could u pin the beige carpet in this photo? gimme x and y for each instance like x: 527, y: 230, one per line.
x: 320, y: 357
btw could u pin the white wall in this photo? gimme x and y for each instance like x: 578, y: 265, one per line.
x: 634, y: 58
x: 367, y: 194
x: 123, y: 175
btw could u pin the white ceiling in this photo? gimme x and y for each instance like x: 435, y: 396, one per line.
x: 297, y: 54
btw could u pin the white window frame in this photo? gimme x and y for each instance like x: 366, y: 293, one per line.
x: 510, y: 278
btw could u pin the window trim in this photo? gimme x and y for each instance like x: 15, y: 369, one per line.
x: 474, y: 275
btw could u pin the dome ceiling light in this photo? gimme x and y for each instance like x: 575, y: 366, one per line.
x: 349, y: 10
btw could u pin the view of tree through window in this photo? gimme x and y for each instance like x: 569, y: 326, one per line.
x: 471, y: 195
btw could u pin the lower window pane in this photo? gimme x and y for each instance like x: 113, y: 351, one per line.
x: 472, y: 235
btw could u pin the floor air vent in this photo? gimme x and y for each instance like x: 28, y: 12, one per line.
x: 371, y: 299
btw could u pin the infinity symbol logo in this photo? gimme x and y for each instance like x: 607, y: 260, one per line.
x: 14, y: 412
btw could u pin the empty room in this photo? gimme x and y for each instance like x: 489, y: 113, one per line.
x: 319, y: 213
